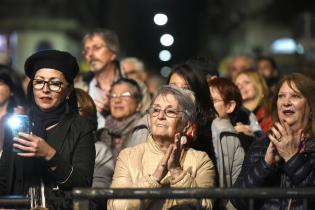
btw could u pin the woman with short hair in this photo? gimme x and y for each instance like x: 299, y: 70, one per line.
x: 124, y: 104
x: 164, y: 160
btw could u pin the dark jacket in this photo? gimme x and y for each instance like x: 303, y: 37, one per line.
x: 72, y: 139
x: 299, y: 171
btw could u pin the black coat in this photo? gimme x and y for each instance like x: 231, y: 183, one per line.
x: 299, y: 171
x: 72, y: 139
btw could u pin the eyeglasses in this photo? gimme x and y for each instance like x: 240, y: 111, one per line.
x: 172, y: 113
x: 94, y: 48
x: 53, y: 85
x: 124, y: 95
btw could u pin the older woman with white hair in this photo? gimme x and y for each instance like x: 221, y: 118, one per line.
x: 164, y: 160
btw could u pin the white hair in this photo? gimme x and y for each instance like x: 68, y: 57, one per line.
x: 138, y: 64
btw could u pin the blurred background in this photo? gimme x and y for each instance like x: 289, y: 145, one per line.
x: 217, y: 29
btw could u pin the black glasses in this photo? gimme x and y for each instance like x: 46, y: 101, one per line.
x: 53, y: 85
x: 172, y: 113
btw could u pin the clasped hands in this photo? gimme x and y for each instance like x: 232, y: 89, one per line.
x: 283, y: 143
x: 33, y: 146
x: 171, y: 160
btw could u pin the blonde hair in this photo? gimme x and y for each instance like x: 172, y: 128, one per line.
x: 262, y: 92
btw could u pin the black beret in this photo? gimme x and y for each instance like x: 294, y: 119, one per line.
x: 54, y: 59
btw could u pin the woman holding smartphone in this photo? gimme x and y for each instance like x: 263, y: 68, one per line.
x: 59, y: 152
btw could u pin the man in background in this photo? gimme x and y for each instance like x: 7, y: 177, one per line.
x: 100, y: 50
x: 133, y: 68
x: 238, y: 64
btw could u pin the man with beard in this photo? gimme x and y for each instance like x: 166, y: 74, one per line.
x: 100, y: 49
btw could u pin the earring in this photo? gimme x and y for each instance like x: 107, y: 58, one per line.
x: 183, y: 140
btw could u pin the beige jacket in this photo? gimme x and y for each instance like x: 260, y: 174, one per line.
x: 135, y: 165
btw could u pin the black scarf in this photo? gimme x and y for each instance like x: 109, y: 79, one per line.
x: 41, y: 120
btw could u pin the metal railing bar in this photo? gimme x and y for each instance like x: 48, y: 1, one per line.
x: 14, y: 202
x: 198, y: 193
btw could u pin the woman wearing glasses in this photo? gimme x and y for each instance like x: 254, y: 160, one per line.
x: 124, y: 104
x: 59, y: 152
x: 164, y: 160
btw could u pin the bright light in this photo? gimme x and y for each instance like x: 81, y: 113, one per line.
x: 14, y: 122
x: 167, y: 40
x: 165, y: 55
x: 165, y: 71
x: 286, y: 46
x: 19, y: 123
x: 160, y: 19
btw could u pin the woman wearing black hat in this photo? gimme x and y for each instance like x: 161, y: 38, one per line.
x: 59, y: 153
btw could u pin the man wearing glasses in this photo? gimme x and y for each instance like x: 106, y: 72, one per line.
x: 100, y: 49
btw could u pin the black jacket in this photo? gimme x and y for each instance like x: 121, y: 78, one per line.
x: 299, y: 171
x: 72, y: 139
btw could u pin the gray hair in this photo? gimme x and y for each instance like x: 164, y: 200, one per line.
x: 108, y: 36
x: 138, y: 64
x: 185, y: 99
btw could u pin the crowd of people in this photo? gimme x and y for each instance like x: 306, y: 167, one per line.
x: 110, y: 129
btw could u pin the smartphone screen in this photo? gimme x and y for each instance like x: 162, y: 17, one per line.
x: 18, y: 123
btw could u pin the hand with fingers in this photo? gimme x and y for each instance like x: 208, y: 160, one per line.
x: 272, y: 156
x: 242, y: 128
x: 161, y: 169
x: 33, y: 146
x: 171, y: 160
x: 286, y: 144
x: 173, y: 163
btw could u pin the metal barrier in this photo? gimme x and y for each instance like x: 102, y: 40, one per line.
x: 81, y: 195
x: 14, y: 202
